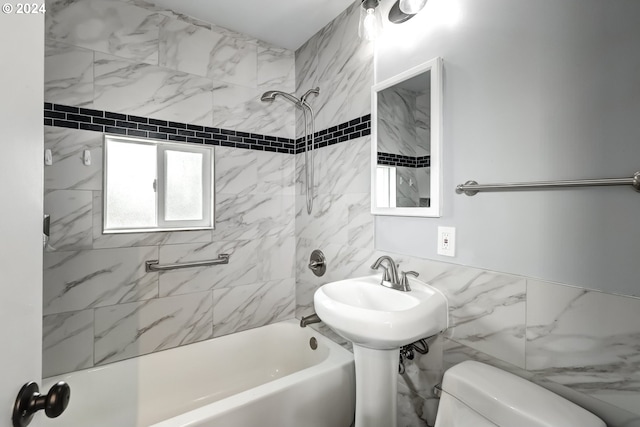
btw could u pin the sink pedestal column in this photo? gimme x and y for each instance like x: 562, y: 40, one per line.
x: 376, y: 386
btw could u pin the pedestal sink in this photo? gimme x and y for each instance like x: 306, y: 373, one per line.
x: 379, y: 320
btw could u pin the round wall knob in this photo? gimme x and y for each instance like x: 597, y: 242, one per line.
x: 30, y: 401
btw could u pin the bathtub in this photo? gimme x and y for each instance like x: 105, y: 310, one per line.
x: 267, y: 377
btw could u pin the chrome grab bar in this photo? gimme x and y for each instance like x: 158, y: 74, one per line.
x: 471, y: 188
x: 152, y: 265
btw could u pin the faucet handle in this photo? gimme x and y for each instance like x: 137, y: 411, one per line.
x: 404, y: 281
x: 385, y: 273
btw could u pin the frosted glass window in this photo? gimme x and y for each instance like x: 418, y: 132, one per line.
x: 157, y: 186
x: 184, y: 187
x: 131, y: 195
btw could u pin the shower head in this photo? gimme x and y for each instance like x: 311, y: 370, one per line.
x: 315, y: 91
x: 270, y: 95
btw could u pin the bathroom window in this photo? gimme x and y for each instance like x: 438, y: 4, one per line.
x: 156, y: 186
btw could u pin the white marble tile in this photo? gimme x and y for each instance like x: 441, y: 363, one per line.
x: 304, y: 297
x: 151, y: 91
x: 275, y: 173
x: 345, y: 167
x: 277, y: 257
x: 343, y: 98
x: 244, y: 307
x: 187, y: 47
x: 425, y: 370
x: 413, y: 410
x: 306, y: 63
x: 361, y: 221
x: 68, y: 171
x: 234, y: 60
x: 276, y: 68
x: 71, y: 219
x: 168, y: 13
x: 130, y: 330
x: 486, y: 311
x: 328, y: 222
x: 76, y: 281
x: 67, y: 344
x: 107, y: 26
x: 127, y: 240
x: 236, y: 171
x: 253, y: 216
x: 339, y: 49
x: 241, y: 37
x: 586, y: 340
x: 242, y: 268
x: 239, y: 107
x: 68, y: 75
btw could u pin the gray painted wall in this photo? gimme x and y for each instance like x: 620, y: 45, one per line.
x: 533, y: 90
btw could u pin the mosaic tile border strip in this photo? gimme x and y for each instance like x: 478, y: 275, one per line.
x: 145, y: 127
x: 66, y: 116
x: 346, y: 131
x: 390, y: 159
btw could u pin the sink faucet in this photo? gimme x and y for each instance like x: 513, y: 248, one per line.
x: 390, y: 277
x: 389, y: 274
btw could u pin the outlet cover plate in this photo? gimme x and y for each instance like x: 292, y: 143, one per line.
x: 447, y: 241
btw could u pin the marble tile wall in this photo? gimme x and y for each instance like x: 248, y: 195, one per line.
x: 99, y: 304
x: 341, y: 65
x: 130, y: 57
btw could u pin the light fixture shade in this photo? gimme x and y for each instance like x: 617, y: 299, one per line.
x: 412, y: 7
x: 370, y: 22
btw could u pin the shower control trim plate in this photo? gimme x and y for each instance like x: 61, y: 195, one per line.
x: 318, y: 263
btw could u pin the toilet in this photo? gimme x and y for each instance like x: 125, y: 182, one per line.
x: 479, y: 395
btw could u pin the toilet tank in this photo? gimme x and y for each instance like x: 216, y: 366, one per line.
x: 481, y: 395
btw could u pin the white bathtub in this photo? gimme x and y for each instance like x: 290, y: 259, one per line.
x: 267, y: 377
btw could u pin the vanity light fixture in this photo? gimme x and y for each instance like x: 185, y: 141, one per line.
x: 370, y: 21
x: 411, y: 7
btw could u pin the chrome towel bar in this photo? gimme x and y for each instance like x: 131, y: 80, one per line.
x: 471, y: 188
x: 152, y: 265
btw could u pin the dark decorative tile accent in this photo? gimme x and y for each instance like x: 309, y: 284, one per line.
x: 342, y: 132
x: 147, y: 127
x: 390, y: 159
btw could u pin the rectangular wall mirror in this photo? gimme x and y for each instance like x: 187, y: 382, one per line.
x: 406, y: 118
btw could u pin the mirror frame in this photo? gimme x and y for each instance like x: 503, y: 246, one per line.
x: 434, y: 211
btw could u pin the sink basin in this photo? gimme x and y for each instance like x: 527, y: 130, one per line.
x: 374, y: 316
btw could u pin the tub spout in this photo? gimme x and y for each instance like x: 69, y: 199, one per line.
x: 312, y: 318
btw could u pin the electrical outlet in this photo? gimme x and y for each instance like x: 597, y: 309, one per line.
x: 447, y: 241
